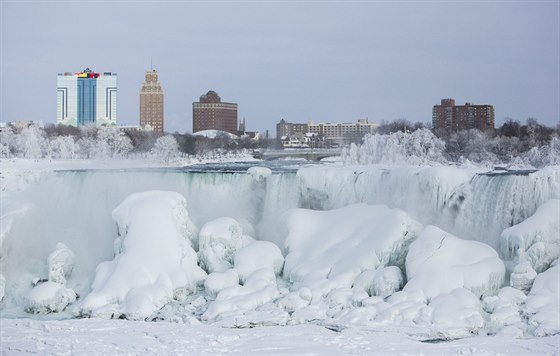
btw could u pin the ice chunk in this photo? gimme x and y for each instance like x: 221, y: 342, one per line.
x: 258, y: 255
x: 438, y: 262
x: 523, y: 276
x: 338, y: 245
x: 218, y: 240
x: 217, y: 281
x: 61, y: 263
x: 49, y: 297
x: 387, y: 281
x: 537, y: 238
x: 542, y: 305
x: 155, y: 258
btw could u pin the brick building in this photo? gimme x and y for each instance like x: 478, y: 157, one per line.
x: 210, y: 113
x: 151, y: 103
x: 452, y: 118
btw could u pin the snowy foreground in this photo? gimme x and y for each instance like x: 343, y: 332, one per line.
x: 111, y: 337
x: 331, y: 259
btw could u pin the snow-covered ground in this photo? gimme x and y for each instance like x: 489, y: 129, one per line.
x: 111, y: 337
x: 334, y: 259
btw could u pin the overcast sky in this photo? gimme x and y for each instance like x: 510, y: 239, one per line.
x: 307, y: 60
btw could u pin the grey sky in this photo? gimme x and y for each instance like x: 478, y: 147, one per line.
x: 311, y: 60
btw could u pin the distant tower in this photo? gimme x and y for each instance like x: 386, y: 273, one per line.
x: 151, y: 102
x: 86, y: 98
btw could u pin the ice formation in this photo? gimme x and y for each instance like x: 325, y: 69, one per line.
x: 154, y: 258
x: 61, y: 263
x: 438, y: 262
x: 259, y: 174
x: 536, y: 239
x: 522, y: 276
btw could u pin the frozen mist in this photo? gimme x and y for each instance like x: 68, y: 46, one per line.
x: 335, y: 251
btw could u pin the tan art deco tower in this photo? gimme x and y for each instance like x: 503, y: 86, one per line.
x: 151, y: 102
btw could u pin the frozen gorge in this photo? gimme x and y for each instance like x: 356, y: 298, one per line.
x: 433, y: 252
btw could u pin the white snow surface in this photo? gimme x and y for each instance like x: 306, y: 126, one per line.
x: 49, y: 297
x: 258, y: 255
x: 110, y: 337
x: 438, y: 262
x: 153, y: 258
x: 543, y: 305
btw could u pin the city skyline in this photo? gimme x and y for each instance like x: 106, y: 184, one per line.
x: 322, y: 61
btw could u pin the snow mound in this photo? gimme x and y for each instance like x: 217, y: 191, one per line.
x: 504, y: 311
x: 536, y: 239
x: 260, y: 288
x: 329, y: 249
x: 218, y: 240
x: 49, y: 297
x: 61, y: 263
x: 2, y: 287
x: 381, y: 282
x: 154, y: 258
x: 438, y: 262
x: 259, y: 174
x: 217, y: 281
x: 542, y: 307
x: 258, y: 255
x: 458, y: 308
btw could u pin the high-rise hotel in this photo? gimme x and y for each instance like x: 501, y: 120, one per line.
x: 151, y: 102
x: 210, y: 113
x: 86, y: 98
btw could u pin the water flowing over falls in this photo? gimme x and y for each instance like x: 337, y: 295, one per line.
x: 74, y: 207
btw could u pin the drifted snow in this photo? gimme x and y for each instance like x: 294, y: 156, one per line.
x: 438, y: 262
x: 154, y: 258
x: 536, y: 239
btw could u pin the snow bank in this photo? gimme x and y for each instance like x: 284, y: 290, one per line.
x: 154, y: 258
x: 542, y: 306
x: 329, y: 249
x: 458, y: 308
x: 258, y: 255
x: 218, y: 240
x: 504, y: 311
x: 536, y: 239
x: 438, y: 262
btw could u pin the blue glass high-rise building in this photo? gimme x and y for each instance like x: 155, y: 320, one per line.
x: 87, y: 98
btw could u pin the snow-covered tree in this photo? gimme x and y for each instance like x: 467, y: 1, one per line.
x: 31, y: 142
x: 62, y: 147
x: 165, y: 148
x: 112, y: 142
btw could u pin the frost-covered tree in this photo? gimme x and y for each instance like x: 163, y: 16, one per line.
x: 165, y: 148
x: 418, y: 147
x: 62, y: 147
x: 112, y: 143
x: 31, y: 142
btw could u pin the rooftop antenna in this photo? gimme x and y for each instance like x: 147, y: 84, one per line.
x: 151, y: 65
